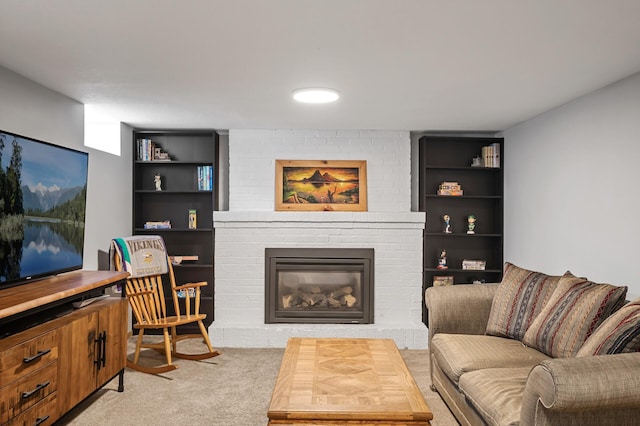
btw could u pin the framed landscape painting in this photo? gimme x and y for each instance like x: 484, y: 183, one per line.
x: 321, y: 185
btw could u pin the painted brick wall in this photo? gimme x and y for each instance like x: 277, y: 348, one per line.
x: 251, y: 225
x: 252, y: 155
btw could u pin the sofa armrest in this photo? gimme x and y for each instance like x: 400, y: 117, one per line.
x: 459, y: 309
x: 601, y: 389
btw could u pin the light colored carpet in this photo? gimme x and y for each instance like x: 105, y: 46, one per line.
x: 233, y: 389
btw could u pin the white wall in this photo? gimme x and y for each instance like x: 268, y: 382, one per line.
x: 29, y: 109
x: 109, y: 197
x: 571, y: 195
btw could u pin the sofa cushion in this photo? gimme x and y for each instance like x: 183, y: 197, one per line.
x: 457, y: 354
x: 518, y: 301
x: 619, y: 333
x: 576, y: 308
x: 496, y: 393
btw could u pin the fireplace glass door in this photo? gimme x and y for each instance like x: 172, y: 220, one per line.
x: 321, y: 286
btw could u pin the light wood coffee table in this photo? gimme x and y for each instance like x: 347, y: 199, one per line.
x: 345, y: 381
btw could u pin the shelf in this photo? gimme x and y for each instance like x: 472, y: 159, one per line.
x: 169, y: 191
x: 453, y: 234
x: 180, y: 178
x: 192, y: 265
x: 448, y: 159
x: 173, y: 230
x: 475, y: 169
x: 168, y: 163
x: 458, y: 270
x: 465, y: 197
x: 202, y: 297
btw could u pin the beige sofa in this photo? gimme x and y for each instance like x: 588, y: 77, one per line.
x: 495, y: 380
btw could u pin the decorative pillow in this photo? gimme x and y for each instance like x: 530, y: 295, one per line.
x: 576, y: 308
x: 620, y: 333
x: 518, y: 300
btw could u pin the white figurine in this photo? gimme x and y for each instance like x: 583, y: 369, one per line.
x: 442, y: 260
x: 158, y: 181
x: 447, y: 223
x: 471, y: 224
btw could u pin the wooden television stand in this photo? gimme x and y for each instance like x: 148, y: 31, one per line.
x: 53, y: 356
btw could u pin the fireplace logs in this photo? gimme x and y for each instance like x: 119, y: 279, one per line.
x: 314, y: 297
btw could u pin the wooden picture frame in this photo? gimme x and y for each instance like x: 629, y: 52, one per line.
x: 321, y: 185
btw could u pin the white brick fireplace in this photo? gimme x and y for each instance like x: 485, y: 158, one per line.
x: 251, y: 225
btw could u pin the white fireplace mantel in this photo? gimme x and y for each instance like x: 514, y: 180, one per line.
x: 289, y: 219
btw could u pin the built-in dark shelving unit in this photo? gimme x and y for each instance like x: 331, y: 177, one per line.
x: 449, y: 159
x: 188, y: 150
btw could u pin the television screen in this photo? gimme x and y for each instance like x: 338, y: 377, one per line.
x: 43, y: 190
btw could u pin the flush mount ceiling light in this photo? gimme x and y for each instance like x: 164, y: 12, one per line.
x: 316, y: 95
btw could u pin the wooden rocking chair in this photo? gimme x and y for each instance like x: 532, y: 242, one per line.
x: 147, y: 300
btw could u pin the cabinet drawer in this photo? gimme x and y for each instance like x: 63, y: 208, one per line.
x: 28, y: 391
x: 43, y: 413
x: 28, y: 356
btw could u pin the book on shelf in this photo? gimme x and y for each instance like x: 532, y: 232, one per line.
x: 450, y: 188
x: 147, y: 150
x: 441, y: 280
x: 205, y: 178
x: 496, y: 155
x: 474, y: 265
x: 491, y: 155
x: 163, y: 224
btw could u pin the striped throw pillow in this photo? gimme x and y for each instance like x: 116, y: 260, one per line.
x: 518, y: 300
x: 620, y: 333
x: 576, y: 308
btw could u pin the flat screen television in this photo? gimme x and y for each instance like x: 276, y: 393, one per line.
x: 43, y: 189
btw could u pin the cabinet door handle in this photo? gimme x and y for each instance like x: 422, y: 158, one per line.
x: 40, y: 386
x: 40, y: 420
x: 104, y: 348
x: 29, y: 359
x: 98, y: 351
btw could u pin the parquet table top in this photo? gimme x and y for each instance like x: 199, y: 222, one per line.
x: 345, y: 381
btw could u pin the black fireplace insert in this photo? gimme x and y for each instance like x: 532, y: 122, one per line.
x: 319, y: 285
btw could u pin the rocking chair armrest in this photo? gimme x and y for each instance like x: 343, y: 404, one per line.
x: 192, y: 285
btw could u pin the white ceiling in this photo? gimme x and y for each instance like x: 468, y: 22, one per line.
x: 459, y: 65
